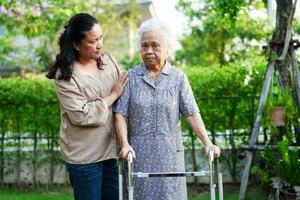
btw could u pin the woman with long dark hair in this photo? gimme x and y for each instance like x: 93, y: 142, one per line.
x: 87, y: 81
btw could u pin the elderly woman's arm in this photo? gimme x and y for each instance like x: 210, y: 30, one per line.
x: 121, y: 129
x: 196, y: 123
x: 188, y: 107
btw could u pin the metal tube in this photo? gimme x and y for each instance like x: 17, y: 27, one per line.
x: 220, y: 181
x: 212, y: 192
x: 211, y: 175
x: 120, y: 181
x: 130, y: 175
x: 130, y: 193
x: 169, y: 174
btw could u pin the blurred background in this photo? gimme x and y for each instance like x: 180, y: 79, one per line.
x: 223, y: 47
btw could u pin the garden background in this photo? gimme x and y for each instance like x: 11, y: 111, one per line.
x: 224, y: 54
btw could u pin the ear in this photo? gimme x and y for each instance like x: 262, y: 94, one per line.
x: 75, y: 46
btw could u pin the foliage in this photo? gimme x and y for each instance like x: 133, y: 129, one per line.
x: 37, y: 24
x: 212, y: 85
x: 129, y: 63
x: 28, y: 109
x: 285, y: 165
x: 221, y: 31
x: 27, y: 105
x: 279, y: 97
x: 228, y: 10
x: 227, y: 98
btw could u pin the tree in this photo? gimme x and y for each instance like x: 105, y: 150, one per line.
x: 281, y: 57
x: 41, y: 21
x: 221, y: 31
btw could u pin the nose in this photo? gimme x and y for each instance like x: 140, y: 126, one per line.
x: 99, y: 45
x: 149, y: 50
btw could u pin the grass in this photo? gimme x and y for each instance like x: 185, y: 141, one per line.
x: 62, y: 193
x: 231, y: 192
x: 65, y: 193
x: 250, y: 196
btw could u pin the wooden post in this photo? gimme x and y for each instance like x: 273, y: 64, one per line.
x: 255, y: 130
x: 295, y: 74
x: 296, y: 77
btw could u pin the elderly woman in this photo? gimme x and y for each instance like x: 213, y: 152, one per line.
x: 87, y: 83
x: 152, y: 102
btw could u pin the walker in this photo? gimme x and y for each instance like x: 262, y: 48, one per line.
x: 202, y: 173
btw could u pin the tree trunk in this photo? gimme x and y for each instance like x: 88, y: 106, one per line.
x: 284, y: 10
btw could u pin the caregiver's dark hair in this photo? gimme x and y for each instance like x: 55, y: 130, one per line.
x: 74, y: 33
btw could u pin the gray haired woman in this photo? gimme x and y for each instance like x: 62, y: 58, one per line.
x: 152, y: 103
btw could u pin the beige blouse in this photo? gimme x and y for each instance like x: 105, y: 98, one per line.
x: 87, y: 132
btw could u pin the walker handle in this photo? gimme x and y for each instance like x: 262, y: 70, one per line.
x: 130, y: 157
x: 210, y: 155
x: 130, y: 174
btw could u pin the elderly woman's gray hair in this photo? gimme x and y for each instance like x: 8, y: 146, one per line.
x: 154, y: 25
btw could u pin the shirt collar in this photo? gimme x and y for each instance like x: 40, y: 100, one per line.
x: 167, y: 68
x: 142, y: 70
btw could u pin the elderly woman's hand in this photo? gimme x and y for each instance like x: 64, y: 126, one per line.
x: 214, y: 148
x: 125, y: 150
x: 120, y: 84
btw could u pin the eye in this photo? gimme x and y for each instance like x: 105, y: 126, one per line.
x: 144, y: 46
x: 156, y: 46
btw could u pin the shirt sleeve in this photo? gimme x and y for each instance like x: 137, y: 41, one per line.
x: 187, y: 102
x: 78, y: 108
x: 122, y: 104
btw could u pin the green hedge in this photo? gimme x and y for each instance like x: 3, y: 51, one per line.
x: 227, y: 97
x: 226, y: 101
x: 28, y: 105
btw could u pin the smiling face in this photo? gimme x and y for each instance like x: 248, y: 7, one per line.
x: 90, y: 47
x: 153, y: 50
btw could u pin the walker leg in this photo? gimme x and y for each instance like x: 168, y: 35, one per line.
x: 120, y: 181
x: 212, y: 192
x: 211, y: 175
x: 130, y: 193
x: 220, y: 183
x: 130, y: 176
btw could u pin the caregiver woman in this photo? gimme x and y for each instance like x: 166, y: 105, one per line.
x: 87, y: 83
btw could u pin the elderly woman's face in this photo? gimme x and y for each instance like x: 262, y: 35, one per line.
x: 153, y: 50
x: 90, y: 46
